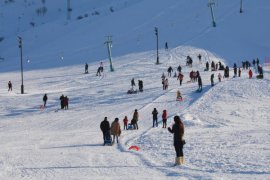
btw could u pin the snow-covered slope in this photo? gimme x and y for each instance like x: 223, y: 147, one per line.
x: 227, y: 126
x: 131, y: 23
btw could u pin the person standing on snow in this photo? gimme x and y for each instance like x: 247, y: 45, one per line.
x: 45, y: 98
x: 105, y: 128
x: 219, y: 77
x: 164, y: 119
x: 86, y: 68
x: 178, y: 132
x: 250, y: 73
x: 9, y: 86
x: 155, y: 117
x: 212, y: 79
x: 125, y: 120
x: 115, y: 129
x: 180, y: 78
x: 135, y: 119
x: 200, y: 83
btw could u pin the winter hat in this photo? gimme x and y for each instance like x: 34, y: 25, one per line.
x: 116, y: 119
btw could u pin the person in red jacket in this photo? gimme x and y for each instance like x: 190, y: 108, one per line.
x: 125, y: 120
x: 250, y: 74
x: 164, y: 118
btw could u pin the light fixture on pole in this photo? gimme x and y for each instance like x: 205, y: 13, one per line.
x: 20, y: 46
x: 156, y: 33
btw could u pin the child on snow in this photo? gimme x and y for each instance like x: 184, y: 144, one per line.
x: 178, y: 96
x: 125, y: 120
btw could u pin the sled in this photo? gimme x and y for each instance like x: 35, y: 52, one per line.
x: 179, y: 99
x: 136, y: 148
x: 108, y: 139
x: 131, y: 91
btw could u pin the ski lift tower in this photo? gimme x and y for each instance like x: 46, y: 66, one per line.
x: 211, y: 3
x: 109, y: 46
x: 156, y: 33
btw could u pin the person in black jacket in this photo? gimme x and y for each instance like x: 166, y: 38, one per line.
x: 105, y: 127
x: 45, y: 98
x: 155, y: 117
x: 178, y: 133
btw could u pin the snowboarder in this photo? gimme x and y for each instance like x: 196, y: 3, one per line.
x: 178, y: 96
x: 164, y: 119
x: 105, y: 128
x: 155, y: 117
x: 212, y: 79
x: 135, y: 119
x: 9, y: 86
x: 178, y: 132
x: 86, y: 68
x: 115, y: 130
x: 125, y: 120
x: 45, y: 98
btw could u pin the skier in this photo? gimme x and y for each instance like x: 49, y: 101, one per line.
x: 180, y: 78
x: 178, y: 96
x: 45, y: 98
x: 212, y: 79
x: 115, y: 129
x: 105, y: 128
x: 135, y: 119
x: 200, y: 83
x: 86, y: 68
x: 9, y: 86
x: 125, y: 120
x: 155, y: 117
x: 164, y: 118
x: 178, y: 132
x: 250, y: 74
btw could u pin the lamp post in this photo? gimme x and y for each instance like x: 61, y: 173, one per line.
x: 241, y: 6
x: 156, y: 33
x: 20, y: 46
x: 109, y: 47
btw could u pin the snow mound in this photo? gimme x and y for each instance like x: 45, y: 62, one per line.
x: 190, y: 120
